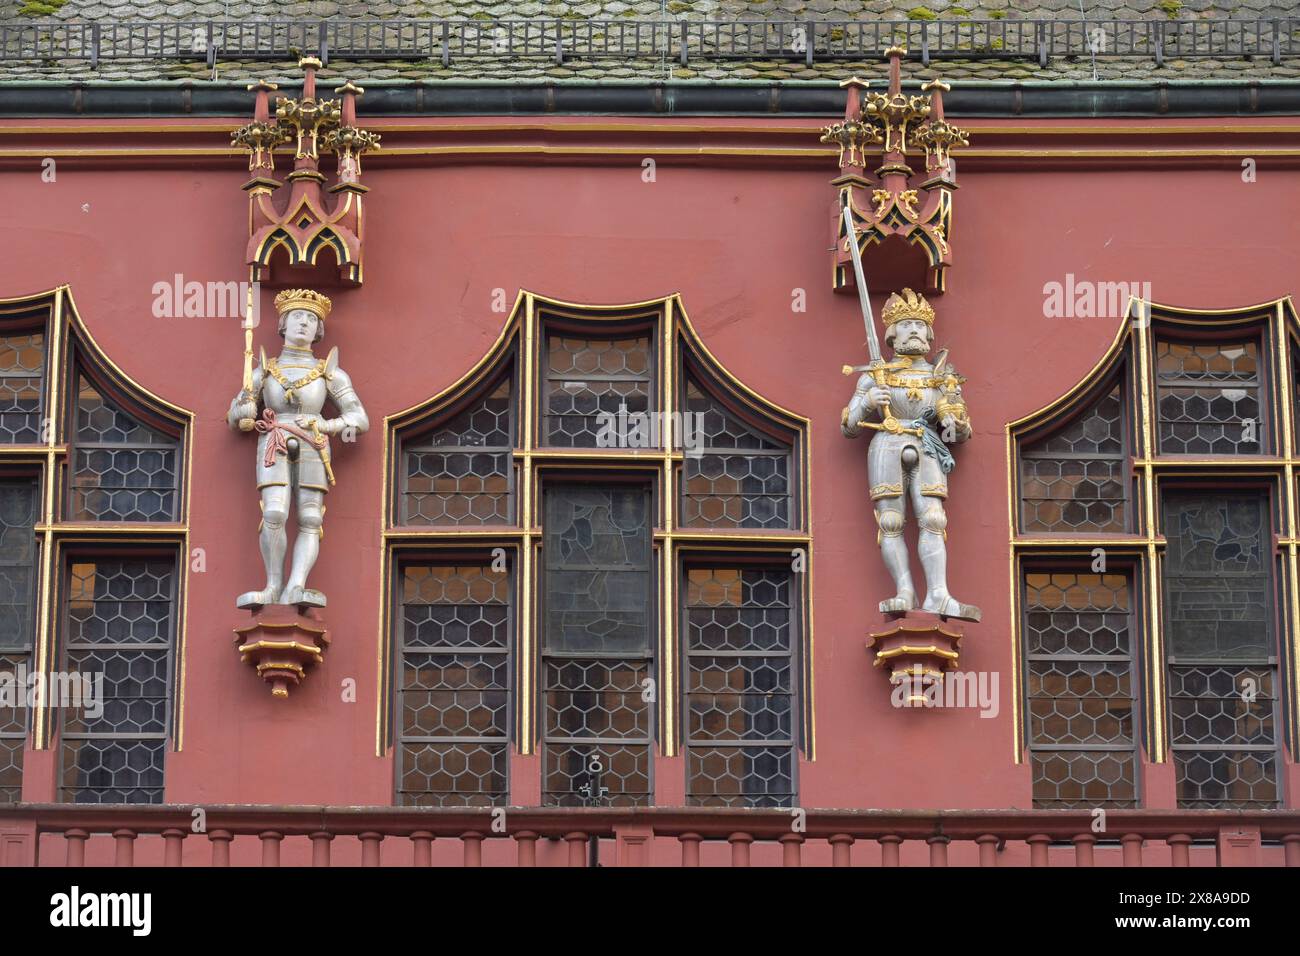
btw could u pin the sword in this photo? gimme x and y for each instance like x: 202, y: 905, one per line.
x: 247, y: 424
x: 877, y: 366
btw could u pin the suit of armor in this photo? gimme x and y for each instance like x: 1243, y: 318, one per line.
x: 916, y: 410
x: 293, y: 447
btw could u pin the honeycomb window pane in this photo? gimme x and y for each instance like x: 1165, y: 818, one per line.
x: 1208, y: 398
x: 598, y: 646
x: 1075, y: 479
x: 454, y: 685
x: 1080, y: 689
x: 591, y: 382
x: 1222, y: 671
x: 736, y: 476
x: 739, y: 688
x: 22, y: 374
x: 122, y: 470
x: 462, y: 473
x: 117, y: 639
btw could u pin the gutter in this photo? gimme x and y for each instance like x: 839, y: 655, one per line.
x: 809, y: 98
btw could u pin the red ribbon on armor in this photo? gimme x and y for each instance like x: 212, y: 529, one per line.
x: 275, y: 431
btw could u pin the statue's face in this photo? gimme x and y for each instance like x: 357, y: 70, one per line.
x: 300, y: 327
x: 911, y: 337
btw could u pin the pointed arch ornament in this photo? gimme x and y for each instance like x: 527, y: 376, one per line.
x: 518, y: 357
x: 76, y: 367
x: 1131, y: 368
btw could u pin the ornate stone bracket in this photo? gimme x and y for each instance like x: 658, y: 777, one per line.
x: 898, y: 204
x: 306, y: 224
x: 282, y: 642
x: 917, y: 647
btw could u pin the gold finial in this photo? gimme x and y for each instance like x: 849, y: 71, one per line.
x: 303, y: 299
x: 262, y: 85
x: 349, y: 87
x: 307, y: 61
x: 854, y: 81
x: 907, y: 305
x: 935, y: 84
x: 896, y: 48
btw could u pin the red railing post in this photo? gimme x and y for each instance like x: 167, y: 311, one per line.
x: 740, y: 848
x: 988, y: 849
x: 790, y: 848
x: 1131, y: 849
x: 422, y: 841
x: 632, y: 845
x: 270, y: 847
x: 370, y: 846
x: 938, y: 850
x: 841, y: 849
x: 889, y: 849
x: 577, y: 848
x: 1038, y: 845
x: 220, y: 840
x: 1291, y: 849
x: 690, y: 849
x: 124, y: 854
x: 1239, y: 845
x: 76, y: 846
x: 1180, y: 849
x: 173, y: 840
x: 1083, y: 844
x: 473, y: 843
x: 526, y: 847
x: 320, y: 848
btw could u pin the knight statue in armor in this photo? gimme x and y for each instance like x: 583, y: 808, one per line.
x: 283, y: 400
x: 916, y: 409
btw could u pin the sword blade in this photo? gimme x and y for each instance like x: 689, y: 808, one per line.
x: 868, y: 318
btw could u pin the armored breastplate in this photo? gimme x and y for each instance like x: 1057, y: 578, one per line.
x: 294, y: 389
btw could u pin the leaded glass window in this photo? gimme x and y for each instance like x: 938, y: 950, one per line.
x: 1080, y: 689
x: 1219, y: 640
x: 17, y: 559
x: 119, y: 627
x: 454, y: 689
x: 463, y: 472
x: 737, y: 476
x: 22, y: 374
x: 589, y: 379
x: 1208, y: 398
x: 739, y: 687
x: 122, y: 470
x: 1074, y: 480
x: 598, y: 639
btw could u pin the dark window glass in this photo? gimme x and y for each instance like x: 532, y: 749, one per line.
x: 17, y: 560
x: 597, y: 644
x: 1220, y: 644
x: 462, y: 473
x: 22, y: 367
x: 739, y: 686
x: 588, y: 380
x: 1074, y: 480
x: 454, y: 685
x: 737, y: 477
x: 1208, y: 400
x: 1080, y: 690
x: 122, y: 470
x: 119, y: 627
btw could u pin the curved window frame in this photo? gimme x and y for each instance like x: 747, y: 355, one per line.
x: 656, y: 465
x: 1156, y: 475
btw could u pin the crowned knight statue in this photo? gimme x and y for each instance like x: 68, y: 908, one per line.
x: 916, y: 409
x: 283, y: 400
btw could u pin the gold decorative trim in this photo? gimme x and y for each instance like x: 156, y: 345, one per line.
x: 886, y: 491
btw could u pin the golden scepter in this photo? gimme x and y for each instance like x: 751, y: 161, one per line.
x: 246, y: 424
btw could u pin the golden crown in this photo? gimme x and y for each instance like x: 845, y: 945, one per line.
x: 303, y: 299
x: 907, y: 305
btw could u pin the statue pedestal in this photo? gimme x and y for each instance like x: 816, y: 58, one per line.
x: 917, y: 647
x: 282, y: 641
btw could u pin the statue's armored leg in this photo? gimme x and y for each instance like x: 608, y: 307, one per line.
x: 890, y: 519
x: 273, y: 544
x: 932, y: 549
x: 311, y: 516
